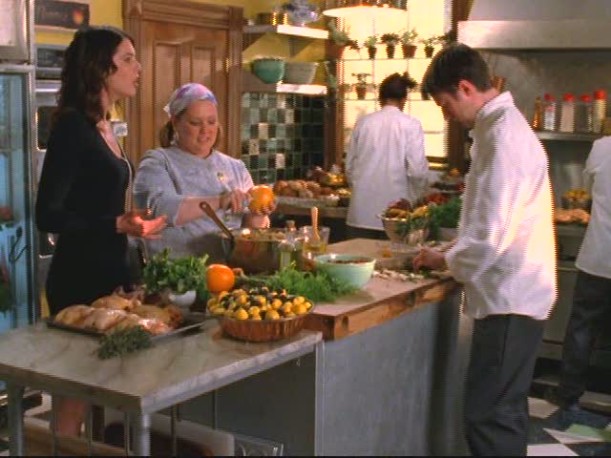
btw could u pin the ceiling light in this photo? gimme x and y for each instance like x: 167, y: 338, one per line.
x: 344, y: 8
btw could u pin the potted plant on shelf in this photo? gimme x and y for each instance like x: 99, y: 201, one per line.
x: 408, y: 43
x: 340, y: 40
x: 361, y: 85
x: 370, y: 43
x: 429, y: 45
x: 391, y: 40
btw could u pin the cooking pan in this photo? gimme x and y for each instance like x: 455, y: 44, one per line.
x: 254, y: 250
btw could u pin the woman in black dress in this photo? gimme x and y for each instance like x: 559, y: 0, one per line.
x: 84, y: 194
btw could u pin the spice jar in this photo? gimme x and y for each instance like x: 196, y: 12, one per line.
x: 549, y: 112
x: 567, y: 113
x: 599, y: 110
x: 583, y: 114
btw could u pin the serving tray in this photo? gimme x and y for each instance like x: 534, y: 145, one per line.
x: 191, y: 323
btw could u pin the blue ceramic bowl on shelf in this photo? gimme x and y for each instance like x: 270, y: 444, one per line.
x: 354, y: 269
x: 268, y: 70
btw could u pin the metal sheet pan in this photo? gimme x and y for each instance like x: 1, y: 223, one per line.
x: 191, y: 323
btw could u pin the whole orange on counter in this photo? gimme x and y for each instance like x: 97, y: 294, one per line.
x: 261, y: 196
x: 219, y: 277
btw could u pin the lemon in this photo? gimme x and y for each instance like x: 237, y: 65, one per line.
x: 256, y: 317
x: 272, y: 315
x: 299, y: 300
x: 276, y: 304
x: 218, y: 311
x: 242, y: 299
x: 289, y: 315
x: 308, y: 305
x: 254, y: 310
x: 240, y: 314
x: 222, y: 294
x: 212, y: 302
x: 300, y: 309
x: 287, y: 307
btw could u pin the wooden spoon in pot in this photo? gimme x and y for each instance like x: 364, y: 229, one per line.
x: 315, y: 233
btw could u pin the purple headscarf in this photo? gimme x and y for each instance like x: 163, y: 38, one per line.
x: 185, y: 94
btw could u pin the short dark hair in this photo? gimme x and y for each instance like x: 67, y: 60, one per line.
x: 87, y: 64
x: 452, y: 64
x: 395, y: 86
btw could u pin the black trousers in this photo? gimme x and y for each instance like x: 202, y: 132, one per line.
x: 590, y: 313
x: 503, y: 354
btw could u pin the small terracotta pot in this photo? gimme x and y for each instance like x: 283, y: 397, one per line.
x: 372, y: 52
x: 390, y: 51
x: 336, y: 51
x: 409, y: 50
x: 428, y: 51
x: 361, y: 92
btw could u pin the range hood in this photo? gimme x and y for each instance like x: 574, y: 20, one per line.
x: 537, y: 24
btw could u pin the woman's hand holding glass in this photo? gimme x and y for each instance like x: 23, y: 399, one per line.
x: 134, y: 223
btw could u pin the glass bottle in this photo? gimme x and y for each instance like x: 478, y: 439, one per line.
x: 567, y: 113
x: 583, y: 114
x: 549, y: 112
x: 537, y: 122
x: 288, y: 247
x: 599, y: 110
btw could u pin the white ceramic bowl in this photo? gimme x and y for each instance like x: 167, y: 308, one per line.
x: 185, y: 300
x: 354, y: 269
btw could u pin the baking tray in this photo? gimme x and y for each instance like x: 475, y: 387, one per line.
x: 191, y: 323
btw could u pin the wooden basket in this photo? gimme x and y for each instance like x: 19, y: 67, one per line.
x: 263, y: 331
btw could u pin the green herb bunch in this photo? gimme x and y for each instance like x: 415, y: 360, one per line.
x: 317, y: 286
x: 163, y: 273
x: 123, y: 342
x: 445, y: 215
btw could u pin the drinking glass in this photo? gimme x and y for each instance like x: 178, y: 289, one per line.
x: 312, y: 247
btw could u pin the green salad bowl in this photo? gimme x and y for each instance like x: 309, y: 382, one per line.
x: 268, y: 70
x: 353, y: 269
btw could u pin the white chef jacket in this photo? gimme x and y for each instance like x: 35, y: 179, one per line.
x: 595, y: 252
x: 505, y: 250
x: 384, y: 163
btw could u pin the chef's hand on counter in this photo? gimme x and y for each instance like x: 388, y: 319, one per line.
x: 431, y: 258
x: 134, y: 223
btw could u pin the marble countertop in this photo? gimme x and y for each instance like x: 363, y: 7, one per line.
x: 172, y: 371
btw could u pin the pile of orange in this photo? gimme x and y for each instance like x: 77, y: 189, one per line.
x: 219, y: 277
x: 262, y: 196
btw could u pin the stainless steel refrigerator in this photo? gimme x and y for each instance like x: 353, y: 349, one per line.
x: 19, y: 303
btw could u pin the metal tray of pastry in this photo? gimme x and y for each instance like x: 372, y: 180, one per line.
x: 191, y: 322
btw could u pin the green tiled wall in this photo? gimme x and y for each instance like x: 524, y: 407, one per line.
x: 290, y: 124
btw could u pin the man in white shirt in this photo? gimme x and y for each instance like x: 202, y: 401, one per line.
x: 504, y: 253
x: 592, y: 295
x: 385, y: 161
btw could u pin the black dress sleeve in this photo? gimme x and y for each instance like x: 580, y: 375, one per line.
x: 69, y: 141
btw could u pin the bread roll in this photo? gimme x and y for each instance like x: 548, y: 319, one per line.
x: 73, y: 315
x: 114, y: 302
x: 152, y: 311
x: 103, y: 319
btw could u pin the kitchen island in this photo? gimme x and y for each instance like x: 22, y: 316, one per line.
x: 386, y: 380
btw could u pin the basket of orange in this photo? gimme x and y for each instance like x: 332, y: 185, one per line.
x: 259, y: 314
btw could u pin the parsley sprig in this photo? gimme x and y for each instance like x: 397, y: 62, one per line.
x: 123, y: 342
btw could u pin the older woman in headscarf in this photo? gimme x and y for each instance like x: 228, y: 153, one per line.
x: 173, y: 180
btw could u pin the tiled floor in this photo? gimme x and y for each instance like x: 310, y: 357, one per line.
x: 550, y: 433
x: 554, y: 433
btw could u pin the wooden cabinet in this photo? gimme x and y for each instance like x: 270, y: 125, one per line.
x: 179, y: 42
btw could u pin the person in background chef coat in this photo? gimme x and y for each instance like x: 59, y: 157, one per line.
x: 187, y: 170
x: 385, y: 161
x: 84, y: 193
x: 591, y: 311
x: 504, y: 253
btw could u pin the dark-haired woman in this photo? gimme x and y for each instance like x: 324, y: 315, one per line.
x: 385, y: 161
x: 85, y: 185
